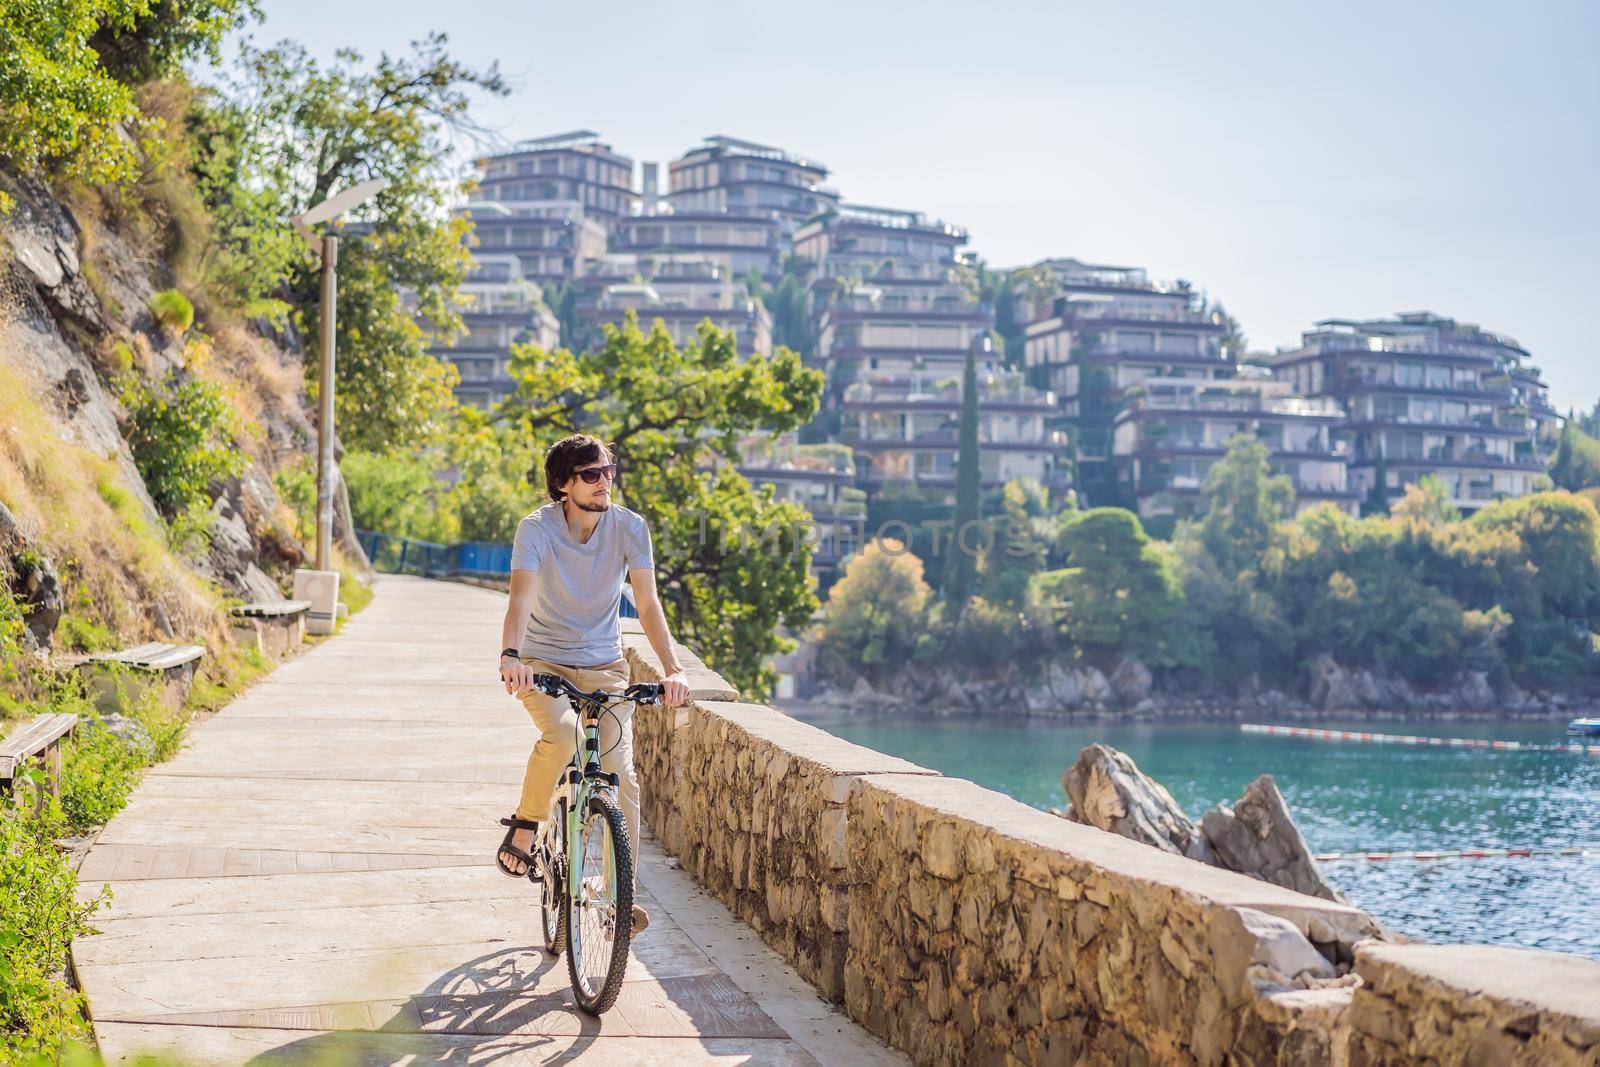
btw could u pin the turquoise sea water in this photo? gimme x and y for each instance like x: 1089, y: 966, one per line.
x: 1345, y: 797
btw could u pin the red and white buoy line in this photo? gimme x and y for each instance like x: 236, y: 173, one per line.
x: 1410, y: 739
x: 1461, y: 854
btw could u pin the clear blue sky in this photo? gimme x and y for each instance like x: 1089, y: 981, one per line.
x: 1297, y: 161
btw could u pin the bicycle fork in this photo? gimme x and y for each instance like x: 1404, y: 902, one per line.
x: 581, y: 779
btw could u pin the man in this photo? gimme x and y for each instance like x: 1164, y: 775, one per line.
x: 567, y: 564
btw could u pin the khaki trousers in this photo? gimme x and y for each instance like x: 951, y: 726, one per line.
x: 558, y: 736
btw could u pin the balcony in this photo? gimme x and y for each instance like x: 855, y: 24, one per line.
x: 1094, y: 312
x: 1231, y: 402
x: 994, y: 389
x: 1115, y: 349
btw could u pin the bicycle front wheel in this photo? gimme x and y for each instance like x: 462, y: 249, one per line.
x: 599, y: 923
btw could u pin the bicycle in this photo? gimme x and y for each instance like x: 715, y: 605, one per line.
x: 586, y: 907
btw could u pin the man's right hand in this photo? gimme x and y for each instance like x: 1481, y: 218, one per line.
x: 516, y: 675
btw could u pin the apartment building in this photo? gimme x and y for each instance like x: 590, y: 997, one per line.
x: 885, y: 293
x: 822, y: 478
x: 551, y: 240
x: 680, y: 291
x: 1096, y: 331
x: 740, y: 243
x: 727, y: 176
x: 1428, y: 395
x: 905, y: 428
x: 573, y: 168
x: 1171, y: 430
x: 502, y: 308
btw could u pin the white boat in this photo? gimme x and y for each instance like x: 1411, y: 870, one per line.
x: 1589, y: 727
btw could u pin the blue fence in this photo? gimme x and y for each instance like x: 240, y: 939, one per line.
x: 469, y: 559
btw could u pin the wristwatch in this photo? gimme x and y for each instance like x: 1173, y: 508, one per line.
x: 514, y: 653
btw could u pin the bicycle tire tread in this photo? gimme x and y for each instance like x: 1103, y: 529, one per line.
x: 623, y: 938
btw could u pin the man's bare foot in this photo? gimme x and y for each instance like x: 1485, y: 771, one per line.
x: 641, y: 919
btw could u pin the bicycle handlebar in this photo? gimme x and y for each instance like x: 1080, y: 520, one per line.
x: 639, y: 692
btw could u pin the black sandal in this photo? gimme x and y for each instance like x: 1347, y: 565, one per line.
x: 532, y: 871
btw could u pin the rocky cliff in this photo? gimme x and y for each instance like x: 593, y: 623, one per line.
x: 76, y: 280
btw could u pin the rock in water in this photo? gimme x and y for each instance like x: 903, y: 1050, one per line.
x: 1109, y: 792
x: 1258, y: 837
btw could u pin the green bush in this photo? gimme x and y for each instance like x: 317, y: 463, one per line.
x: 297, y: 487
x: 59, y: 108
x: 183, y: 437
x: 39, y: 916
x: 400, y: 495
x: 172, y: 310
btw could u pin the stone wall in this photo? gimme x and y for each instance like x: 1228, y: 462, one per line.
x: 965, y: 927
x: 983, y: 930
x: 1474, y: 1004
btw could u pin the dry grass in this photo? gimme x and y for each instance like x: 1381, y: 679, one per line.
x: 72, y: 503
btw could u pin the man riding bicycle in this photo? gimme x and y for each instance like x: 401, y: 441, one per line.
x: 567, y: 564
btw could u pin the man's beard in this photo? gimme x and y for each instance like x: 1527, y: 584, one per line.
x: 599, y: 505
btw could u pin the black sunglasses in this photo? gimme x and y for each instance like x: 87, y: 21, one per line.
x: 591, y: 475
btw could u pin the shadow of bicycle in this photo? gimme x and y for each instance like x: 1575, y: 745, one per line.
x: 496, y: 1007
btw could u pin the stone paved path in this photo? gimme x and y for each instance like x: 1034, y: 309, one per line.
x: 311, y: 879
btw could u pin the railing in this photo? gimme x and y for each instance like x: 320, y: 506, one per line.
x: 1314, y: 406
x: 465, y: 559
x: 1088, y: 312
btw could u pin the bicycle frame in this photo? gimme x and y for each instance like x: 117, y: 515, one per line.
x: 582, y: 773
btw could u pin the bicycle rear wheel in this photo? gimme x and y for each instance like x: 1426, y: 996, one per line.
x: 553, y: 891
x: 599, y: 924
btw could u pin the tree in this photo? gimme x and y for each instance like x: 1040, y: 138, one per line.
x: 1576, y: 464
x: 1234, y: 342
x: 791, y: 316
x: 562, y: 301
x: 1016, y: 554
x: 400, y: 495
x: 1426, y: 501
x: 1589, y: 421
x: 491, y: 492
x: 731, y: 562
x: 60, y: 109
x: 1538, y: 558
x: 875, y: 612
x: 962, y: 566
x: 1120, y: 593
x: 1242, y: 501
x: 1377, y: 502
x: 160, y: 37
x: 300, y: 132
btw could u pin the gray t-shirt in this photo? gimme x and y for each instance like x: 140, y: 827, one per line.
x: 577, y: 587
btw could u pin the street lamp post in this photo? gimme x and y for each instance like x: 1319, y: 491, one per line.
x: 330, y: 261
x: 321, y: 585
x: 328, y: 248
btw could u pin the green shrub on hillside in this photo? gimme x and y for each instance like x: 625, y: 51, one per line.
x: 183, y: 438
x: 172, y: 310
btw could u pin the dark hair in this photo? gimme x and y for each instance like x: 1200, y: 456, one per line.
x: 569, y: 455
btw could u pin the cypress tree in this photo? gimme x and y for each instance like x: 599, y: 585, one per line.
x: 962, y: 566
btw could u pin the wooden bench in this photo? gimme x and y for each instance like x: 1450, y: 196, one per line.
x: 156, y: 663
x: 272, y: 628
x: 40, y: 738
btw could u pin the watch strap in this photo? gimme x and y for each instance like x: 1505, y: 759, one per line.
x: 514, y: 653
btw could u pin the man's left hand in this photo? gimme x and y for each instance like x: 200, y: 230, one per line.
x: 674, y: 690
